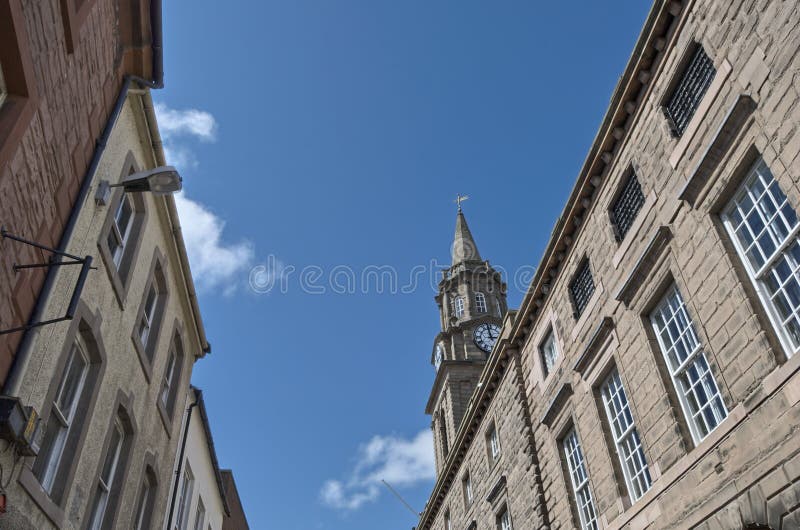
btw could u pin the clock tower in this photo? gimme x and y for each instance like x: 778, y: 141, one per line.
x: 472, y: 302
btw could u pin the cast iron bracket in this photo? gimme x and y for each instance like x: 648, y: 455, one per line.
x: 67, y: 259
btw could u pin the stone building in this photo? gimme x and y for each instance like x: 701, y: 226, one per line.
x: 62, y: 65
x: 650, y: 376
x: 110, y: 383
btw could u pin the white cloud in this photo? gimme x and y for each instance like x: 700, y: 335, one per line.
x: 187, y: 122
x: 400, y: 462
x: 214, y: 262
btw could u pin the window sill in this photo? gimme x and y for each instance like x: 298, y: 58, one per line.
x: 34, y: 490
x: 705, y: 105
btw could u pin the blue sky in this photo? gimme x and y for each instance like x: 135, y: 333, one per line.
x: 318, y: 138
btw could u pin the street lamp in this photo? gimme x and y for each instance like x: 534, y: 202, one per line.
x: 159, y: 181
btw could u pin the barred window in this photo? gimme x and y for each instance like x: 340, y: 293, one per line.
x: 688, y: 366
x: 480, y: 302
x: 691, y: 88
x: 549, y: 352
x: 627, y: 206
x: 764, y: 229
x: 626, y: 437
x: 579, y: 479
x: 582, y: 288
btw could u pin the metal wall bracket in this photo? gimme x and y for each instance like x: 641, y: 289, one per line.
x: 67, y: 259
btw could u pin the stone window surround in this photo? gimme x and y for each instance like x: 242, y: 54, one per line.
x: 88, y: 323
x: 736, y: 167
x: 548, y: 323
x: 562, y: 427
x: 19, y: 105
x: 487, y: 432
x: 663, y: 278
x: 147, y: 353
x: 723, y: 68
x: 120, y: 277
x: 467, y: 486
x: 149, y: 471
x: 121, y: 410
x: 167, y: 414
x: 606, y: 363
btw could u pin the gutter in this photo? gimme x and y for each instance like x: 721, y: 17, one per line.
x: 197, y: 400
x: 20, y: 361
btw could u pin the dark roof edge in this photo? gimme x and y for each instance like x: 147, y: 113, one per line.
x: 211, y: 449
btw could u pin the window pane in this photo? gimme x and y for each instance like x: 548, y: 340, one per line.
x: 580, y: 481
x: 549, y: 352
x: 764, y: 227
x: 626, y: 437
x: 691, y: 375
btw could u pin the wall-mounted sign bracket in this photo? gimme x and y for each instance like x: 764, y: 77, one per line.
x: 65, y: 259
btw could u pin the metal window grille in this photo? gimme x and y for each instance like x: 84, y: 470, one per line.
x: 579, y: 479
x: 766, y: 233
x: 480, y: 302
x: 582, y: 288
x: 697, y: 389
x: 626, y: 437
x: 627, y: 206
x: 549, y: 352
x: 690, y: 90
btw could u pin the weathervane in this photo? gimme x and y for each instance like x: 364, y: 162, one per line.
x: 459, y: 199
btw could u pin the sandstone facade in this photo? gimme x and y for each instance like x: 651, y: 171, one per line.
x: 712, y: 393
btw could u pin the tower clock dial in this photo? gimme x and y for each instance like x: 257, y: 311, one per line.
x: 486, y: 335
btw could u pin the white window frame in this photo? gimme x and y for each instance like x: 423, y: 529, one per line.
x: 200, y: 514
x: 121, y: 234
x: 467, y: 483
x: 148, y: 313
x: 579, y: 479
x: 672, y: 310
x: 65, y: 413
x: 448, y: 521
x: 105, y: 483
x: 783, y: 219
x: 480, y: 303
x: 494, y: 443
x: 185, y: 499
x: 548, y: 351
x: 144, y: 501
x: 169, y: 374
x: 459, y: 306
x: 626, y: 437
x: 504, y: 519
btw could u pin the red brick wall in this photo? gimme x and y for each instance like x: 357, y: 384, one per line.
x: 45, y: 152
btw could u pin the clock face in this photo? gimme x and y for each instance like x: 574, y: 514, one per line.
x: 485, y: 336
x: 438, y: 356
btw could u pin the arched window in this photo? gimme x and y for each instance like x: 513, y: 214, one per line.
x: 459, y: 305
x: 151, y: 314
x: 480, y: 302
x: 72, y: 397
x: 146, y: 500
x: 443, y: 434
x: 171, y: 378
x: 111, y: 477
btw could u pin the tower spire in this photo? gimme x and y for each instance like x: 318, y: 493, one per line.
x: 464, y: 247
